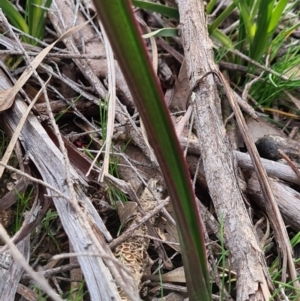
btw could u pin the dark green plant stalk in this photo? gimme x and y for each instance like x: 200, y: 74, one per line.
x: 125, y: 38
x: 158, y: 8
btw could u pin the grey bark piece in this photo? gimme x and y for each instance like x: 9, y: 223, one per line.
x: 10, y: 277
x: 12, y: 273
x: 288, y: 200
x: 219, y: 166
x: 49, y: 161
x: 273, y: 169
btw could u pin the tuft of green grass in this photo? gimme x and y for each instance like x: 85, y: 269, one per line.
x: 113, y: 193
x: 271, y: 88
x: 34, y: 21
x: 275, y: 271
x: 47, y: 222
x: 77, y: 295
x: 223, y: 260
x: 258, y: 22
x: 36, y: 17
x: 61, y: 114
x: 21, y: 206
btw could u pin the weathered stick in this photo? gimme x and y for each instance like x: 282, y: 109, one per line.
x: 246, y: 255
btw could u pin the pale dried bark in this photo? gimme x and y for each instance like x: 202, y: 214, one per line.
x: 10, y: 277
x: 273, y: 169
x: 288, y: 200
x: 49, y: 162
x: 246, y: 256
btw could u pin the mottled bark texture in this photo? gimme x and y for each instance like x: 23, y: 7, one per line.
x: 247, y: 258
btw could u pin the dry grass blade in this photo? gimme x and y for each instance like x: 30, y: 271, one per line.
x: 6, y: 100
x: 15, y: 136
x: 111, y: 104
x: 293, y: 99
x: 289, y: 162
x: 9, y: 95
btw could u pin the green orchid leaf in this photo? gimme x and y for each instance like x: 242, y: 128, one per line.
x: 129, y: 48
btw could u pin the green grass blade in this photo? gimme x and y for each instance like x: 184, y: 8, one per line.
x: 276, y: 15
x: 220, y: 19
x: 268, y: 18
x: 36, y: 17
x: 36, y: 21
x: 130, y: 51
x: 222, y: 38
x: 245, y: 15
x: 261, y: 38
x: 278, y: 41
x: 158, y: 8
x: 210, y: 6
x: 13, y: 16
x: 164, y: 32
